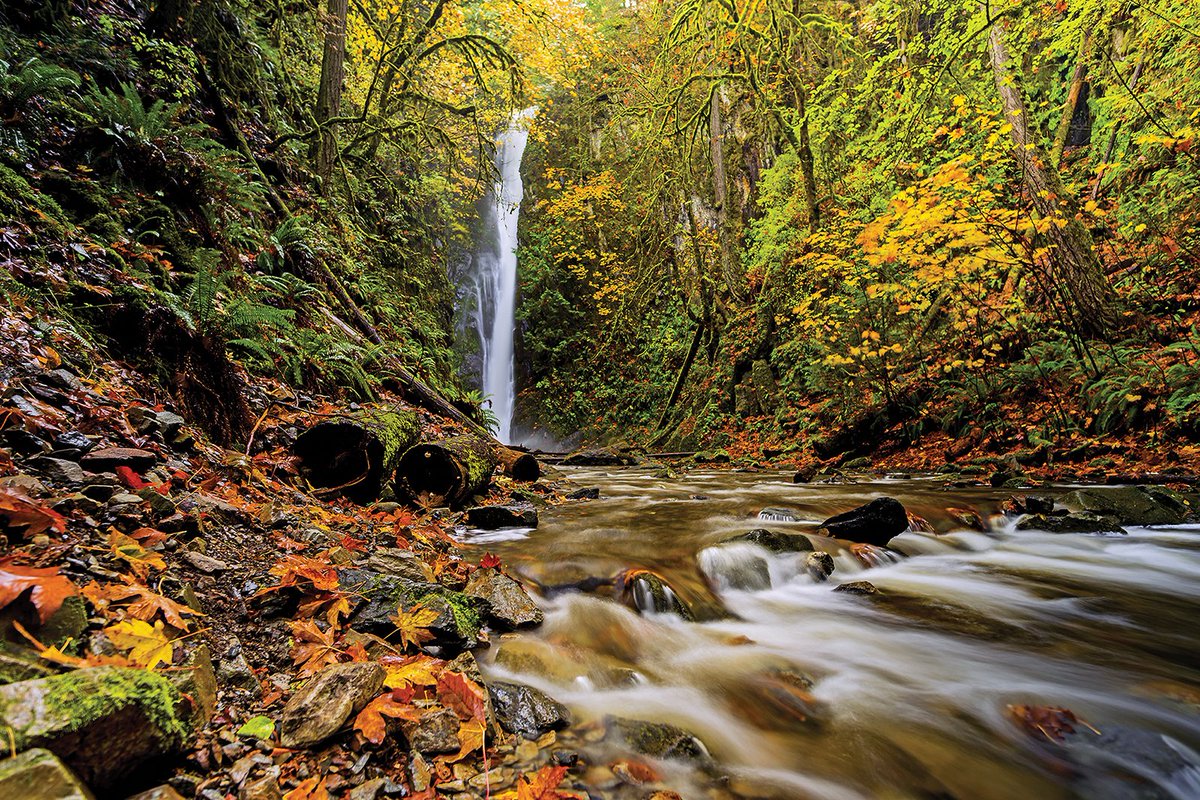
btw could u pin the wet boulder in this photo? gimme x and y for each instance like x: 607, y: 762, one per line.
x: 599, y: 457
x: 772, y: 514
x: 875, y: 522
x: 775, y: 541
x: 736, y: 564
x: 105, y: 723
x: 509, y: 606
x: 857, y: 587
x: 1131, y: 505
x: 644, y: 591
x: 377, y: 596
x: 1075, y: 522
x: 819, y: 566
x: 37, y: 774
x: 525, y: 711
x: 490, y: 518
x: 658, y: 740
x: 584, y: 493
x: 320, y: 708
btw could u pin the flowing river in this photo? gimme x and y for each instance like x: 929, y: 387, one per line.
x: 800, y: 691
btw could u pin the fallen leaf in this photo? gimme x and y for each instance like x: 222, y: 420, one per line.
x: 47, y: 588
x: 313, y: 648
x: 470, y: 735
x: 146, y: 646
x: 295, y: 568
x: 310, y: 789
x: 259, y: 727
x: 421, y: 670
x: 542, y: 786
x: 139, y: 558
x: 413, y: 625
x: 146, y: 604
x: 489, y: 560
x: 370, y: 721
x: 1053, y: 722
x: 18, y: 511
x: 462, y: 695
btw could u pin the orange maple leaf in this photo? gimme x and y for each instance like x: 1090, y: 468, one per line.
x: 413, y: 626
x: 462, y: 695
x: 313, y: 648
x: 370, y: 721
x: 295, y: 568
x: 47, y: 589
x: 17, y: 511
x: 145, y: 606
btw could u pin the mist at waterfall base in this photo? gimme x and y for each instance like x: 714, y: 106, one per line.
x: 911, y: 694
x: 491, y: 287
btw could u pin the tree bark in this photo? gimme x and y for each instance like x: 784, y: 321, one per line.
x: 354, y: 455
x: 1112, y: 136
x: 329, y: 94
x: 446, y: 472
x: 1077, y: 274
x: 1073, y: 92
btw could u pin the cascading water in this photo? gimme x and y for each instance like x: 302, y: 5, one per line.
x: 494, y: 275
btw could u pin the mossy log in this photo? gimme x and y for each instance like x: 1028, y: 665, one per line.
x: 518, y: 465
x: 355, y: 454
x: 445, y: 472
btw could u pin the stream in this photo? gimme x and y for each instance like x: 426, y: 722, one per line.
x: 800, y: 691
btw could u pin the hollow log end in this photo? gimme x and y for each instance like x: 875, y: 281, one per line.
x: 430, y: 476
x: 525, y: 468
x: 340, y: 456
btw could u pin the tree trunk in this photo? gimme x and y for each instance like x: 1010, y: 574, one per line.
x: 716, y: 141
x: 1074, y: 91
x: 445, y: 472
x: 518, y: 465
x: 1076, y: 272
x: 329, y: 95
x: 354, y: 455
x: 1112, y: 136
x: 806, y: 165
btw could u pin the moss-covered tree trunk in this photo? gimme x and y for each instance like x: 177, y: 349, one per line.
x: 329, y: 94
x: 446, y: 472
x: 355, y: 455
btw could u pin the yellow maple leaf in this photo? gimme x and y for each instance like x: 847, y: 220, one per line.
x: 147, y: 646
x: 413, y: 626
x: 139, y: 558
x: 419, y: 670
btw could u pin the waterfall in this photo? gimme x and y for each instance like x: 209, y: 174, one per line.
x: 494, y: 275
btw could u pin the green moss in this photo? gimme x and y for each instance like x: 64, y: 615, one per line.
x: 17, y: 196
x: 466, y: 618
x: 76, y: 700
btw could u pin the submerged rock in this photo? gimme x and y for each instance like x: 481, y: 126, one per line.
x: 584, y: 493
x: 508, y: 604
x: 736, y: 564
x: 857, y: 587
x: 323, y: 705
x: 775, y: 541
x: 494, y: 517
x: 873, y: 523
x: 658, y: 740
x: 37, y: 774
x: 105, y: 723
x: 645, y: 591
x: 778, y: 515
x: 525, y: 711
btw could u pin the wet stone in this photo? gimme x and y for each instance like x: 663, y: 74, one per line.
x: 525, y: 711
x: 320, y: 708
x: 434, y: 732
x: 658, y: 740
x: 1075, y: 522
x: 107, y: 459
x: 59, y: 470
x: 496, y: 517
x: 778, y: 515
x: 584, y: 493
x: 509, y: 605
x: 776, y: 541
x: 37, y: 774
x: 819, y: 566
x: 401, y: 563
x: 875, y: 522
x: 1131, y: 505
x: 857, y: 587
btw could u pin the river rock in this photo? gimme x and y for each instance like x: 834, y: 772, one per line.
x: 1131, y: 505
x: 491, y: 518
x: 197, y: 682
x: 509, y: 605
x: 658, y: 740
x: 1075, y: 522
x: 24, y: 483
x: 584, y: 493
x: 37, y: 774
x: 105, y: 723
x: 599, y: 457
x: 778, y: 515
x: 204, y: 563
x: 776, y: 541
x: 107, y: 459
x: 59, y: 470
x: 736, y: 564
x: 873, y: 523
x: 819, y: 566
x: 1125, y: 762
x: 434, y: 732
x: 857, y: 587
x: 401, y: 563
x: 377, y: 596
x: 323, y: 705
x: 646, y: 592
x: 525, y: 711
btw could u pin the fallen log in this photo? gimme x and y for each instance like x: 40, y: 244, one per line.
x: 519, y: 465
x: 354, y: 455
x: 445, y: 472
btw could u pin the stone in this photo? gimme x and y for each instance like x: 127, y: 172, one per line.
x: 401, y: 563
x: 68, y: 622
x: 62, y: 378
x: 369, y: 790
x: 159, y: 503
x: 320, y: 708
x: 169, y: 423
x: 377, y: 597
x: 819, y: 566
x: 778, y: 515
x: 262, y: 789
x: 875, y: 522
x: 233, y: 670
x: 1131, y: 505
x: 775, y: 541
x: 509, y: 606
x: 22, y: 482
x: 584, y: 493
x: 206, y: 564
x: 105, y: 723
x: 658, y: 740
x: 1075, y: 522
x: 107, y: 459
x: 59, y: 470
x: 157, y: 793
x: 598, y: 457
x: 491, y: 518
x: 647, y: 592
x: 857, y: 587
x: 73, y: 442
x: 125, y: 499
x: 434, y: 732
x: 20, y: 664
x: 525, y: 711
x: 37, y: 774
x: 1035, y: 504
x: 736, y: 565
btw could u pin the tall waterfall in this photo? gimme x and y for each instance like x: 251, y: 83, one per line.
x: 494, y: 275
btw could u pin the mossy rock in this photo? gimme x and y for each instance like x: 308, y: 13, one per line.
x: 659, y: 740
x: 38, y: 775
x: 1131, y: 505
x: 106, y: 723
x: 379, y: 596
x: 775, y: 541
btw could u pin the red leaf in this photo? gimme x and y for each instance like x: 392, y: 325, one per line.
x: 18, y: 511
x: 462, y: 695
x: 489, y: 560
x: 131, y: 478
